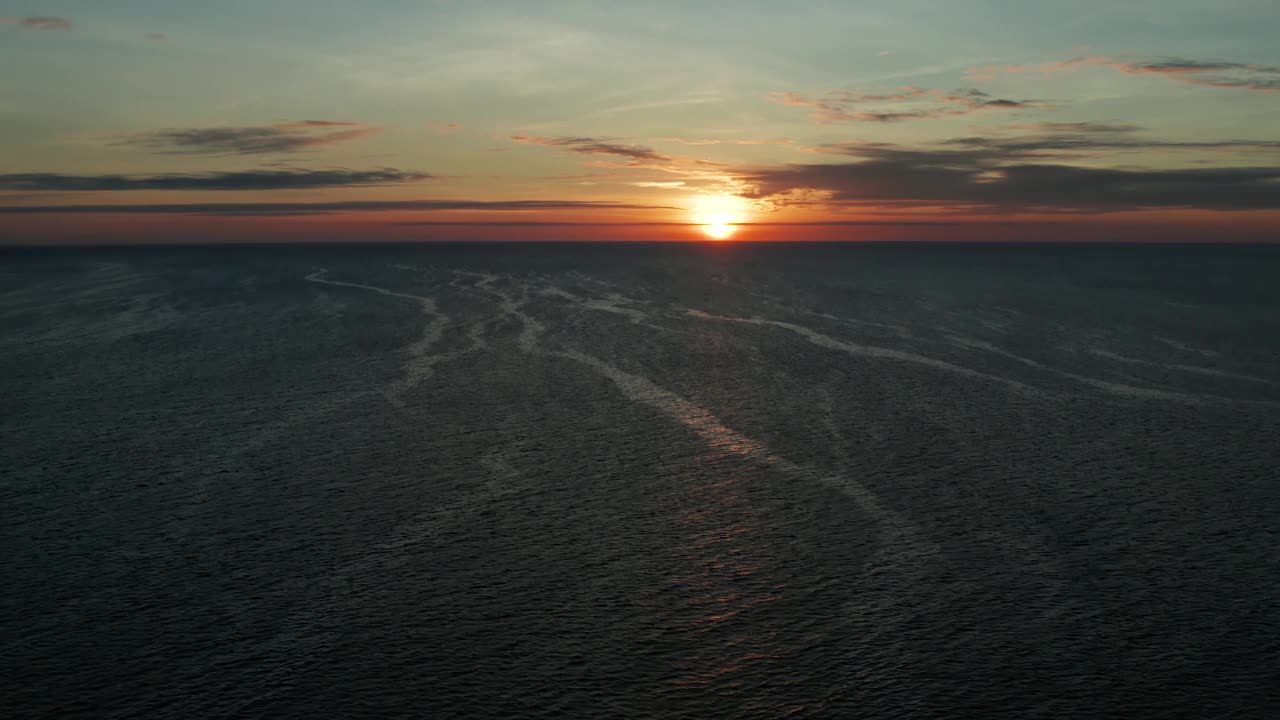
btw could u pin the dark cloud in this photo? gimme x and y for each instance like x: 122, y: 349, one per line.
x: 1069, y: 127
x: 245, y: 180
x: 987, y: 178
x: 286, y: 137
x: 306, y: 124
x: 1047, y: 140
x: 1243, y: 76
x: 1212, y: 74
x: 40, y: 23
x: 910, y: 103
x: 596, y: 146
x: 1056, y: 139
x: 323, y: 208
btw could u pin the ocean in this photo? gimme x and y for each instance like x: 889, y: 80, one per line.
x: 641, y: 481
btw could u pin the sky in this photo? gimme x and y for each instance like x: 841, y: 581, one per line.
x: 312, y: 120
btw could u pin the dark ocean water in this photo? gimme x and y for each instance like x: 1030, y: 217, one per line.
x: 641, y: 482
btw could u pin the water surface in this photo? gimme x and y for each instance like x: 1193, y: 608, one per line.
x: 580, y: 481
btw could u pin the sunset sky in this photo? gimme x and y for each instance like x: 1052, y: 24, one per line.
x: 238, y: 120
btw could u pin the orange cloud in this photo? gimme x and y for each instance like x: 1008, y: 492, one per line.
x: 39, y: 23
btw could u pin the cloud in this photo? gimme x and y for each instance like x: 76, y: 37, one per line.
x: 324, y: 208
x: 443, y: 127
x: 685, y: 141
x: 287, y: 137
x: 1243, y: 76
x: 596, y: 146
x: 39, y: 23
x: 244, y: 180
x: 1069, y: 127
x: 1059, y: 139
x: 609, y: 153
x: 997, y: 177
x: 1047, y: 140
x: 158, y: 37
x: 309, y: 124
x: 658, y: 104
x: 909, y: 103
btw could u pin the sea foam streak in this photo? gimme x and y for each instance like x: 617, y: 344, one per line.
x: 421, y: 363
x: 530, y: 328
x: 722, y: 438
x: 874, y: 351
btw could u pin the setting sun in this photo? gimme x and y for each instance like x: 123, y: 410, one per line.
x: 719, y: 227
x: 719, y: 215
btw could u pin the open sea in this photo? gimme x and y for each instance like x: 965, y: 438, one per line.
x: 696, y: 482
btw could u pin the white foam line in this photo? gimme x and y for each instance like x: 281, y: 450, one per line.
x: 1221, y: 373
x: 319, y: 277
x: 421, y: 364
x: 902, y: 549
x: 1213, y: 372
x: 1185, y: 348
x: 530, y: 328
x: 722, y: 438
x: 476, y: 335
x: 485, y: 279
x: 1115, y: 388
x: 897, y: 329
x: 988, y: 347
x: 557, y: 292
x: 612, y: 305
x: 831, y: 343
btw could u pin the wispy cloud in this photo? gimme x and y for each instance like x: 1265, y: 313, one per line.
x: 596, y: 146
x: 245, y: 180
x: 286, y: 137
x: 658, y: 104
x: 158, y: 37
x: 687, y: 141
x: 443, y: 127
x: 660, y: 184
x: 610, y: 153
x: 1243, y: 76
x: 38, y: 23
x: 1058, y: 142
x: 1067, y: 127
x: 993, y: 175
x: 909, y: 103
x: 324, y: 208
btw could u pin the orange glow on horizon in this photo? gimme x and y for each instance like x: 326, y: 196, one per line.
x: 718, y: 216
x: 719, y: 228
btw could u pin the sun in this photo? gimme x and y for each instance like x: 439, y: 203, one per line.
x: 718, y: 216
x: 719, y: 227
